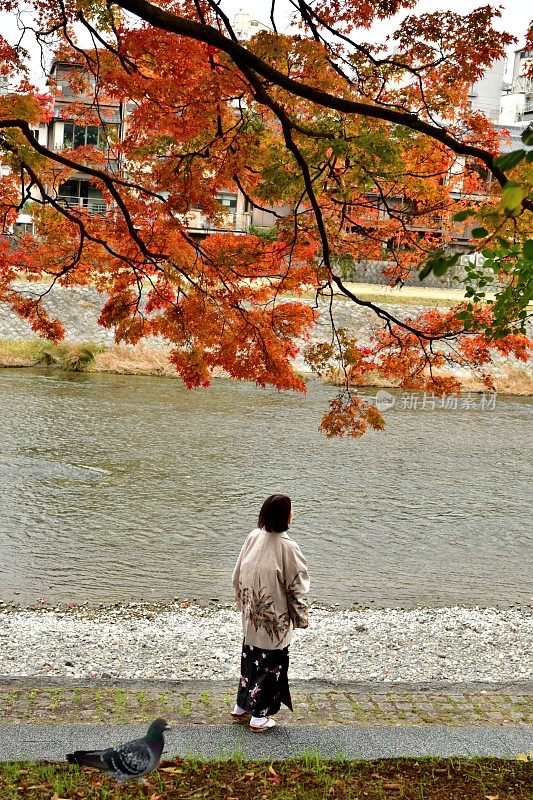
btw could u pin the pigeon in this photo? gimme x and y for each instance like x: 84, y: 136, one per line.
x: 133, y: 759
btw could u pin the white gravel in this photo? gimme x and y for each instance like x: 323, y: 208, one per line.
x: 429, y: 644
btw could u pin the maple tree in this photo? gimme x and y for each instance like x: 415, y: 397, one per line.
x: 356, y: 148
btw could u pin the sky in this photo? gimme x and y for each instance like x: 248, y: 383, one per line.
x: 516, y: 14
x: 515, y: 19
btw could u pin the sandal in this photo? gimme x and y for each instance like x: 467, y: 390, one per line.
x: 269, y: 724
x: 241, y: 718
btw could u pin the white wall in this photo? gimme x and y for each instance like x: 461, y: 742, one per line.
x: 245, y: 26
x: 512, y: 107
x: 485, y: 94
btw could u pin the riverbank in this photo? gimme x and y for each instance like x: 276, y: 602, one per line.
x: 88, y: 346
x: 191, y: 642
x: 509, y: 380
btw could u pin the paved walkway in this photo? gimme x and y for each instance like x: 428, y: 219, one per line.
x: 51, y: 742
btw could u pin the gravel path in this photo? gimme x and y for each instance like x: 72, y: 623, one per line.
x: 438, y: 644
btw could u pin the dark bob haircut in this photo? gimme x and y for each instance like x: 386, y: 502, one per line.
x: 275, y: 513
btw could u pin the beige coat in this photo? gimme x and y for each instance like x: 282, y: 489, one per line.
x: 270, y: 581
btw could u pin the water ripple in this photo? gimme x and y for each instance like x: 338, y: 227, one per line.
x: 131, y: 487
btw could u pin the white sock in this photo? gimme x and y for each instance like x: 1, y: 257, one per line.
x: 258, y: 721
x: 239, y: 710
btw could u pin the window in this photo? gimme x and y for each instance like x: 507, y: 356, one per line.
x: 83, y: 83
x: 482, y: 176
x: 22, y: 228
x: 229, y: 201
x: 81, y: 135
x: 80, y: 194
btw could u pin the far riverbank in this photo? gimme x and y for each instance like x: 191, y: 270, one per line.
x: 512, y: 379
x: 90, y: 347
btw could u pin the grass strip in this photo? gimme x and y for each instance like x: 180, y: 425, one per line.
x: 306, y: 778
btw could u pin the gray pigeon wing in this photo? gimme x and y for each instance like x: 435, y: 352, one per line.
x: 134, y: 758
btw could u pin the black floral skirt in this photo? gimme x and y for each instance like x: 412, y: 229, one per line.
x: 264, y: 682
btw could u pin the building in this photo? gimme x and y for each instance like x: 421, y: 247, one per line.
x: 109, y: 124
x: 106, y: 130
x: 517, y: 99
x: 485, y: 94
x: 245, y: 27
x: 65, y: 133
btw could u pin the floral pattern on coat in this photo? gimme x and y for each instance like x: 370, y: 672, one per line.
x: 258, y: 607
x: 297, y: 608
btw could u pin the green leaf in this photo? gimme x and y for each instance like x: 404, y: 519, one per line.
x: 529, y: 157
x: 462, y: 215
x: 426, y: 269
x: 527, y: 136
x: 438, y: 263
x: 528, y: 249
x: 440, y: 268
x: 512, y: 195
x: 480, y: 233
x: 510, y: 160
x: 442, y: 265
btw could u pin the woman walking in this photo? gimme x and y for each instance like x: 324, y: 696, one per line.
x: 270, y: 581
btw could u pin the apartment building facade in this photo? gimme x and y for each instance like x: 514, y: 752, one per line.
x: 105, y: 131
x: 109, y: 125
x: 517, y: 99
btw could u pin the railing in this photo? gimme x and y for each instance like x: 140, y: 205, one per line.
x: 233, y: 222
x: 90, y: 204
x: 112, y: 164
x: 432, y: 222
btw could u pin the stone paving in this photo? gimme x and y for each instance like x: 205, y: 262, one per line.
x: 315, y: 703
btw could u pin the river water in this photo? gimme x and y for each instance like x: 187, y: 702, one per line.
x: 122, y: 488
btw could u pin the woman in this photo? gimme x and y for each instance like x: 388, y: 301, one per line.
x: 270, y: 581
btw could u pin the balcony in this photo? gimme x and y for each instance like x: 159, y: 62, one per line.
x: 431, y: 222
x: 230, y: 222
x: 93, y: 205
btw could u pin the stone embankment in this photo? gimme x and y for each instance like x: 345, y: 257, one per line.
x: 79, y: 307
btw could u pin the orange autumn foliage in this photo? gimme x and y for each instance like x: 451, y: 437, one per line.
x: 362, y: 153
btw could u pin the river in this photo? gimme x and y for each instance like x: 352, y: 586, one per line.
x: 120, y: 488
